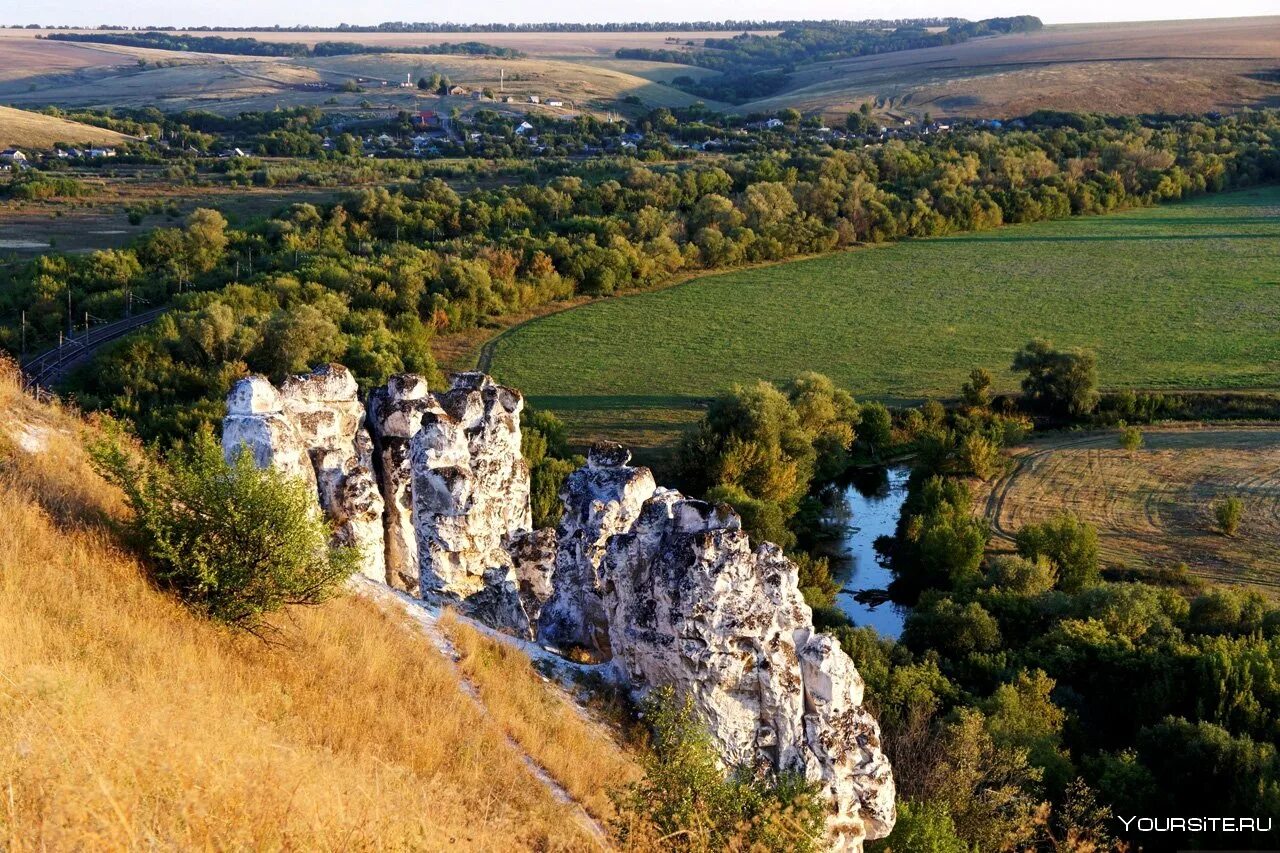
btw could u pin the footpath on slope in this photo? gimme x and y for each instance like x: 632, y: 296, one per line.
x: 427, y: 617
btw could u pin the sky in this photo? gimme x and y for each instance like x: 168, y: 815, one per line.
x: 235, y: 13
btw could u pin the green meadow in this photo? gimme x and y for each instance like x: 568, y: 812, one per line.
x: 1176, y: 297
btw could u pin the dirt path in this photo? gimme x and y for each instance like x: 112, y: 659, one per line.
x: 427, y: 618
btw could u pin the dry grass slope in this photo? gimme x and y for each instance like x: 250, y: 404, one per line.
x: 127, y: 723
x: 23, y: 129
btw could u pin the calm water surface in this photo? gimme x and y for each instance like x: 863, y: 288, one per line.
x: 867, y: 508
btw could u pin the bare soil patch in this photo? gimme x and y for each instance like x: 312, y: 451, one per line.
x: 1153, y: 507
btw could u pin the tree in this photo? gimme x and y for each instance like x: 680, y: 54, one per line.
x: 976, y: 393
x: 942, y: 542
x: 1059, y: 383
x: 980, y: 455
x: 233, y: 541
x: 1070, y: 544
x: 1228, y: 514
x: 206, y: 239
x: 876, y: 426
x: 922, y: 825
x: 424, y: 84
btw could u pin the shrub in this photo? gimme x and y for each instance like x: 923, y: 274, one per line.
x: 234, y: 542
x: 1228, y: 513
x: 980, y: 456
x: 1130, y: 437
x: 922, y: 825
x: 1070, y: 544
x: 685, y: 802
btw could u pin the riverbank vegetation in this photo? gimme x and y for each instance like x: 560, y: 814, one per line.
x: 1010, y: 706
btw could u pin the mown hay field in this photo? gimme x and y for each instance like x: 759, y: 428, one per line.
x: 1154, y: 507
x: 1181, y: 296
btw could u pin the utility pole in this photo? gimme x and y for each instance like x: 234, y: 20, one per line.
x: 502, y: 79
x: 70, y: 328
x: 24, y: 333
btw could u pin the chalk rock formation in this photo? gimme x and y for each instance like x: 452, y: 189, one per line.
x: 470, y: 496
x: 601, y: 499
x: 395, y: 415
x: 534, y: 555
x: 689, y: 604
x: 313, y: 428
x: 256, y: 422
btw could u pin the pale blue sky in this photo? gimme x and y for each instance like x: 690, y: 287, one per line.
x: 330, y: 12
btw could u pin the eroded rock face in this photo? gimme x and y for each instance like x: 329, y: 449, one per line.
x: 313, y: 428
x: 470, y: 490
x: 601, y: 499
x: 534, y: 555
x: 690, y: 604
x: 395, y: 415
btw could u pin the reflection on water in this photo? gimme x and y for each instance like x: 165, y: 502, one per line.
x: 866, y: 508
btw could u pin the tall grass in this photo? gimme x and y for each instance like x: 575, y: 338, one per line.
x: 128, y: 723
x: 577, y: 752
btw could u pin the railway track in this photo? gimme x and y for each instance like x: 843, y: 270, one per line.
x: 50, y: 367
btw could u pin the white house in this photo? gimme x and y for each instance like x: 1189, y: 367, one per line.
x: 13, y: 155
x: 523, y: 128
x: 101, y: 152
x: 555, y: 103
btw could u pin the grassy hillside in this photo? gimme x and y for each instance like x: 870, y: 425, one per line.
x: 1180, y: 296
x: 23, y: 129
x: 1145, y: 66
x: 127, y: 723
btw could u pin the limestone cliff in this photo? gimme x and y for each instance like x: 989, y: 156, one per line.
x: 601, y: 499
x: 395, y: 416
x: 435, y: 491
x: 690, y: 604
x: 313, y: 428
x: 470, y: 488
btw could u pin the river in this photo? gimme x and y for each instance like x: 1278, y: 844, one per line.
x: 866, y: 508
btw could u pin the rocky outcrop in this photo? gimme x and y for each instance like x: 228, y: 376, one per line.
x: 601, y: 499
x: 435, y: 491
x: 690, y: 604
x: 256, y: 423
x: 534, y: 555
x: 395, y: 416
x: 470, y: 489
x: 313, y: 428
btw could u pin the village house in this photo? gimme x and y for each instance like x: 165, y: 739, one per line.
x: 534, y: 99
x: 12, y: 156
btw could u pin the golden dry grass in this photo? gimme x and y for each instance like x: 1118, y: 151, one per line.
x: 579, y: 753
x: 1154, y: 506
x: 126, y: 723
x: 23, y: 129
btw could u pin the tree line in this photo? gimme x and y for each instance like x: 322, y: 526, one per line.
x: 247, y: 46
x: 755, y: 66
x: 372, y: 278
